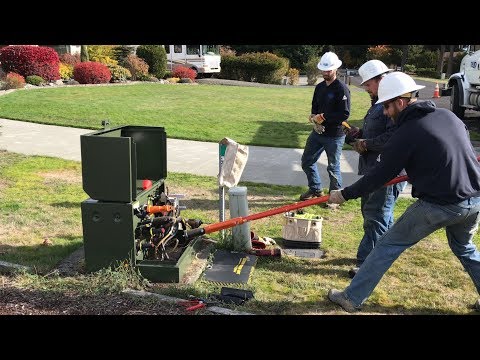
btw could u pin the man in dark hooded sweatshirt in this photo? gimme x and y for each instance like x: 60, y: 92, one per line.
x: 434, y: 148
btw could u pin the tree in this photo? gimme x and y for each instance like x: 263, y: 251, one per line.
x: 440, y: 60
x: 451, y: 48
x: 404, y: 56
x: 156, y: 58
x: 84, y: 53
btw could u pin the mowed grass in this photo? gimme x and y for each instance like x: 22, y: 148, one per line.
x: 250, y: 115
x: 40, y: 198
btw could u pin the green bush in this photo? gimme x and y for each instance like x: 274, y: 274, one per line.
x: 427, y: 72
x: 34, y: 80
x: 119, y: 73
x: 229, y: 67
x: 263, y: 67
x: 145, y: 77
x: 410, y: 68
x: 156, y: 58
x: 427, y: 59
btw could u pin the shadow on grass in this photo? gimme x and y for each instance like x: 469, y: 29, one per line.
x: 325, y: 307
x: 296, y: 265
x: 66, y: 204
x: 39, y: 257
x: 340, y: 261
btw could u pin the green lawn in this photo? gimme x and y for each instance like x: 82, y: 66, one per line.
x: 250, y: 115
x: 40, y: 198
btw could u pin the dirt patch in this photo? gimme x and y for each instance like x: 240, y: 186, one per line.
x: 68, y: 176
x: 15, y: 301
x: 3, y: 184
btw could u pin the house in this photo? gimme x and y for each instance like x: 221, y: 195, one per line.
x: 66, y: 49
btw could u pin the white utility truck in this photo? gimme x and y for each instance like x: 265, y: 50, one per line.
x: 464, y: 86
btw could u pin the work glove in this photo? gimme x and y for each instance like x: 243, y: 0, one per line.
x: 351, y: 134
x: 336, y: 197
x: 360, y: 146
x: 317, y: 120
x: 319, y: 129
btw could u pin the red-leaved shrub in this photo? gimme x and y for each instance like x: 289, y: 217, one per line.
x: 184, y: 72
x: 29, y: 60
x: 91, y: 72
x: 13, y: 81
x: 70, y: 59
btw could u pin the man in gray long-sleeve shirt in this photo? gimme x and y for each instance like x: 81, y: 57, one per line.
x: 434, y: 148
x: 377, y: 206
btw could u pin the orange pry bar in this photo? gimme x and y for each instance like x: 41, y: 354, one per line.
x: 158, y: 209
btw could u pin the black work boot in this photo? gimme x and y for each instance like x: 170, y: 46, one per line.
x: 310, y: 194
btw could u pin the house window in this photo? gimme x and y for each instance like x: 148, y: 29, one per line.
x: 177, y: 49
x: 167, y: 48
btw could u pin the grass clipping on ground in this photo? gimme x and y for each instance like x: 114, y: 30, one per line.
x: 40, y: 199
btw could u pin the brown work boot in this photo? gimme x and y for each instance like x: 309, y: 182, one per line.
x: 338, y: 297
x: 310, y: 194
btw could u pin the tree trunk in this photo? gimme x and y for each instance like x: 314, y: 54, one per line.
x: 84, y: 53
x: 450, y: 60
x: 404, y: 56
x: 440, y: 60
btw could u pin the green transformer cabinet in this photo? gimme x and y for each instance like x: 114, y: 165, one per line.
x: 115, y: 162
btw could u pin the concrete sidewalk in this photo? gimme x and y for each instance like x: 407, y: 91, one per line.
x: 280, y: 166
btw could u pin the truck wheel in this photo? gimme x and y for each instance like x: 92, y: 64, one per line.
x: 455, y: 102
x: 196, y: 72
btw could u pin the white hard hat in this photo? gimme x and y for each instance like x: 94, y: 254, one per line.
x: 371, y: 69
x: 329, y: 61
x: 394, y: 85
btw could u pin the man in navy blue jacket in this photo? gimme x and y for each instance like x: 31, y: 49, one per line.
x: 434, y: 148
x: 377, y: 206
x: 330, y: 107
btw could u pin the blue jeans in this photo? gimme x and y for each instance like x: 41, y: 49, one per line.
x: 420, y: 220
x: 377, y: 211
x: 314, y: 147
